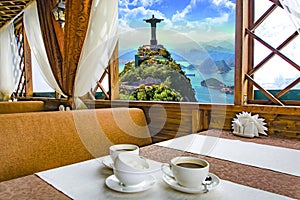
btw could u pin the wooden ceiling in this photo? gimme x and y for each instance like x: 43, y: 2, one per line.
x: 9, y: 9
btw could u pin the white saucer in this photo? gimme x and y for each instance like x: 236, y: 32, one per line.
x: 173, y: 184
x: 113, y: 183
x: 107, y: 162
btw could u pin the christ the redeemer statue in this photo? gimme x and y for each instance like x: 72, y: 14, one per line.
x: 153, y: 21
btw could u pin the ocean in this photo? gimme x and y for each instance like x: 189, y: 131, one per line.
x: 204, y: 94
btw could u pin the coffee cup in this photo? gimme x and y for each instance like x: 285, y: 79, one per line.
x: 130, y: 169
x: 116, y: 149
x: 188, y: 171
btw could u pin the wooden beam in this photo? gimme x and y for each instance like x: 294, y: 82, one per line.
x: 265, y: 92
x: 273, y: 49
x: 286, y: 89
x: 272, y: 54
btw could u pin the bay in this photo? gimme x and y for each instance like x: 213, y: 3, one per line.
x: 207, y: 95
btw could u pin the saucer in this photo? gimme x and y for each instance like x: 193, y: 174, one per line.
x: 107, y: 162
x: 173, y: 184
x: 113, y: 183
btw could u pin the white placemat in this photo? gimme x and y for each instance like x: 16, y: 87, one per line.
x: 264, y: 156
x: 86, y: 181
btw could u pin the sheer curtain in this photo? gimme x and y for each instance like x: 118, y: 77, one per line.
x: 292, y: 7
x: 35, y: 40
x: 98, y: 46
x: 8, y: 61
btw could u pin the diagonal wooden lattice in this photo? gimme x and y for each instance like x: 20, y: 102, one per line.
x: 21, y: 89
x: 250, y: 32
x: 99, y: 85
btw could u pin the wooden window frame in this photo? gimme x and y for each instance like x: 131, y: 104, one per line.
x: 244, y: 63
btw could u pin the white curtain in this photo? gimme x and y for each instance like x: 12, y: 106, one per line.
x: 292, y: 7
x: 98, y: 46
x: 35, y: 40
x: 9, y: 61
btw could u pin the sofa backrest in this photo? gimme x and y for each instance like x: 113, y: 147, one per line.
x: 37, y: 141
x: 21, y: 106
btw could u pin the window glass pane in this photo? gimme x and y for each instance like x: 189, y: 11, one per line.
x: 276, y: 74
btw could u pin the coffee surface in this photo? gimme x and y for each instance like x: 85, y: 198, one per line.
x: 190, y: 165
x: 125, y: 149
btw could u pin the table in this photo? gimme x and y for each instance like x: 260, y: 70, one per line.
x: 32, y: 187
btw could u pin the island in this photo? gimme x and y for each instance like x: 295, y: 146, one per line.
x: 214, y: 83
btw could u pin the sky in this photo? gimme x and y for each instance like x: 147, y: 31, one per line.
x: 197, y: 21
x: 189, y: 20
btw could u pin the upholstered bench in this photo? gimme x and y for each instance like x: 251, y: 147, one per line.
x: 37, y: 141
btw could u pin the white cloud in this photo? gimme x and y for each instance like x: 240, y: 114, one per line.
x: 181, y: 15
x: 146, y: 3
x: 124, y: 26
x: 226, y: 3
x: 142, y: 3
x: 130, y: 15
x: 218, y: 20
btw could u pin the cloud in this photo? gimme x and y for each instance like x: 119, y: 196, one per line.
x: 146, y: 3
x: 130, y: 16
x: 226, y: 3
x: 218, y: 20
x: 182, y: 21
x: 141, y: 3
x: 179, y: 16
x: 126, y: 3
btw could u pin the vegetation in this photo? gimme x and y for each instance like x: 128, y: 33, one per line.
x: 155, y: 93
x: 157, y: 78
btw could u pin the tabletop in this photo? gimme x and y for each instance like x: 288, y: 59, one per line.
x: 32, y: 187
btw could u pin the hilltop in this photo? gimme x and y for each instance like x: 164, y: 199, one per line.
x: 155, y: 76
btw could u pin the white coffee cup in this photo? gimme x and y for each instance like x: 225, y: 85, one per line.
x: 130, y: 169
x: 116, y: 149
x: 187, y: 171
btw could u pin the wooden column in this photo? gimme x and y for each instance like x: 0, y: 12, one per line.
x: 241, y: 50
x: 249, y: 89
x: 28, y: 67
x: 114, y: 74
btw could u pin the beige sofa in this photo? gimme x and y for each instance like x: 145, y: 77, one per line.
x: 37, y: 141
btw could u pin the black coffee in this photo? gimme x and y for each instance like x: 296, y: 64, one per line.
x: 190, y: 165
x: 125, y: 149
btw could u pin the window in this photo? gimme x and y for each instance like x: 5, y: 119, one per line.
x: 273, y: 66
x: 177, y: 52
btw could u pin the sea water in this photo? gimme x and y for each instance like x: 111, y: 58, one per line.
x: 207, y: 95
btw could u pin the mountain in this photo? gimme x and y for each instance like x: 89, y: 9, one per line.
x: 193, y: 52
x: 209, y: 66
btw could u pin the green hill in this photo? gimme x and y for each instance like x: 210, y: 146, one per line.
x: 155, y: 76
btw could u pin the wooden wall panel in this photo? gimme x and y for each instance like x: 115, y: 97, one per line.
x: 169, y: 120
x: 284, y: 121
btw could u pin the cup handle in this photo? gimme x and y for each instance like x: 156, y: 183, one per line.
x: 166, y: 169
